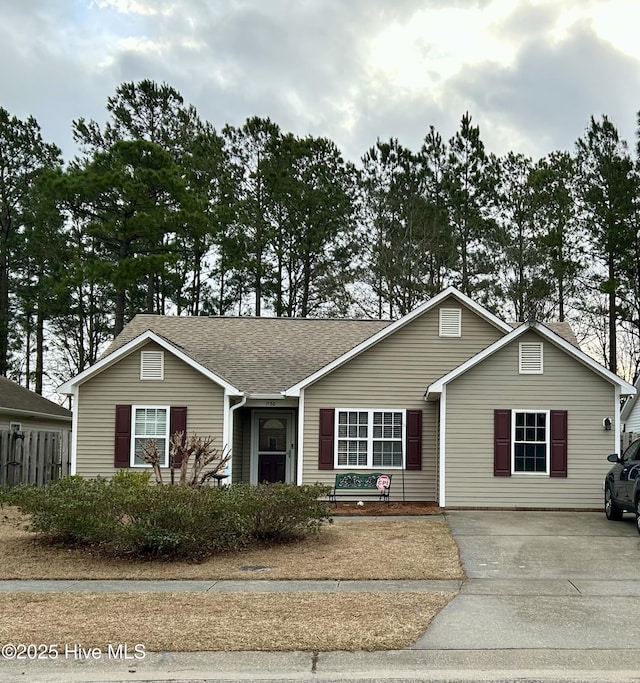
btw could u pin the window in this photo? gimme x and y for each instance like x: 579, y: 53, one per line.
x: 370, y: 438
x: 134, y: 424
x: 152, y: 365
x: 530, y: 441
x: 450, y: 322
x: 150, y: 422
x: 15, y: 426
x: 531, y: 358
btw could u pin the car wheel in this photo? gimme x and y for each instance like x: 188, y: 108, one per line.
x: 611, y: 510
x: 638, y: 514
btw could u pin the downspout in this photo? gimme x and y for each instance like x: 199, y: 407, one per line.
x: 232, y: 410
x: 441, y: 441
x: 300, y: 440
x: 617, y: 436
x: 442, y: 501
x: 73, y: 401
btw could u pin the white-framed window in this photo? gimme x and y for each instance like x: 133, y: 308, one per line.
x: 530, y: 431
x: 152, y: 365
x: 531, y: 358
x: 370, y: 438
x: 15, y: 426
x: 149, y: 422
x: 450, y: 322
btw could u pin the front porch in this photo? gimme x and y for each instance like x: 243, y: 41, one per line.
x: 265, y: 443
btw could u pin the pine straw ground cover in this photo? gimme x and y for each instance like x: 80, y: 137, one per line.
x: 401, y: 549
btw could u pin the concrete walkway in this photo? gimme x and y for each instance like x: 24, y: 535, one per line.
x: 550, y: 597
x: 116, y: 586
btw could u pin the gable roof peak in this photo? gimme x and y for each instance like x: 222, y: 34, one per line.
x: 428, y: 305
x: 546, y: 333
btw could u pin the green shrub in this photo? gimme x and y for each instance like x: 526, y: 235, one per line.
x: 282, y: 512
x: 69, y: 510
x: 125, y: 516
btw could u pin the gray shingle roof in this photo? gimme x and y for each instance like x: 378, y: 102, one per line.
x: 264, y: 355
x: 15, y: 397
x: 256, y: 355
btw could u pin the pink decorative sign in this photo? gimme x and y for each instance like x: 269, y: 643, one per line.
x: 383, y: 482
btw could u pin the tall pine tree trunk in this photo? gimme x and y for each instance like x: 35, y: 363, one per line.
x: 4, y: 309
x: 39, y: 349
x: 613, y: 345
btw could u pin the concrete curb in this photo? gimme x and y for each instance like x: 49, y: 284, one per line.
x: 396, y: 665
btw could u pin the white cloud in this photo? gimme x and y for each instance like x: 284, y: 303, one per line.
x: 435, y: 44
x: 128, y: 6
x: 618, y: 22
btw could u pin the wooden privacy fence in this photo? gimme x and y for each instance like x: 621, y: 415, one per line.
x: 34, y: 457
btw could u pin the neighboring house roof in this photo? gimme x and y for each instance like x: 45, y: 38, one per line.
x: 256, y: 355
x: 545, y: 331
x: 16, y: 399
x: 629, y: 404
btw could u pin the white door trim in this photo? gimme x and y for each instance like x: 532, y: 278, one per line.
x: 290, y: 468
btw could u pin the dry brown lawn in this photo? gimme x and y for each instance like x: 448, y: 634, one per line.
x: 184, y: 622
x: 189, y: 622
x: 380, y: 549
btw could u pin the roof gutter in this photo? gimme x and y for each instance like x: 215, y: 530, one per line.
x: 35, y: 413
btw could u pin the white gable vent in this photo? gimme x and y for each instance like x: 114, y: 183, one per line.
x: 152, y: 365
x: 450, y: 322
x: 531, y: 358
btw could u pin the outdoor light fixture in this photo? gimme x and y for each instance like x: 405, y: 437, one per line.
x: 606, y: 423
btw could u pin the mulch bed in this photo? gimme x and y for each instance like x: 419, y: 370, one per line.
x: 391, y: 509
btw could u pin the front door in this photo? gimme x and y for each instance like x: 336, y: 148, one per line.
x: 273, y: 446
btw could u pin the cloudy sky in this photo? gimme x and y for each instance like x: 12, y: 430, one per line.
x: 530, y: 72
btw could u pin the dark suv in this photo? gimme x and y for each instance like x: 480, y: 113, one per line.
x: 622, y: 484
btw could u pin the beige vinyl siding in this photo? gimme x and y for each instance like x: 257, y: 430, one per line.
x: 121, y: 384
x: 236, y: 453
x: 495, y: 384
x: 242, y: 445
x: 395, y: 374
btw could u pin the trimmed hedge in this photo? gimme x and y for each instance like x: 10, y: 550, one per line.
x: 125, y: 516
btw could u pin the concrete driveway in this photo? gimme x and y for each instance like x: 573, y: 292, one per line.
x: 542, y: 580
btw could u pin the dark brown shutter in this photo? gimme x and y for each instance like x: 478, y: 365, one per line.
x: 501, y: 443
x: 123, y: 436
x: 558, y: 443
x: 177, y: 423
x: 326, y: 455
x: 414, y: 439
